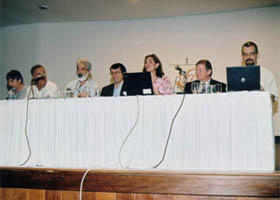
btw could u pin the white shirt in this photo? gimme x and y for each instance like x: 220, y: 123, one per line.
x: 204, y: 86
x: 89, y: 87
x: 268, y: 82
x: 49, y: 91
x: 206, y: 83
x: 117, y: 91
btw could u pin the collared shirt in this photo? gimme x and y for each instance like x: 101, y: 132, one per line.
x: 75, y: 86
x: 203, y: 86
x: 268, y: 82
x: 49, y: 91
x: 19, y: 95
x: 205, y: 83
x: 117, y: 90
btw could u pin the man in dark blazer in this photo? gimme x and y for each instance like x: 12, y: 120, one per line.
x: 115, y: 89
x: 204, y: 73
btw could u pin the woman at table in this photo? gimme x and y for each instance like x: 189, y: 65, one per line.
x: 161, y: 84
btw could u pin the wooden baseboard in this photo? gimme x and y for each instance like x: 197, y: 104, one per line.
x: 145, y: 182
x: 277, y: 152
x: 35, y: 194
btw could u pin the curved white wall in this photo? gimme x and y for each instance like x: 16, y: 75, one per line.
x: 217, y: 37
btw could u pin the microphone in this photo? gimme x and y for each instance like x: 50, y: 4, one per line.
x: 10, y: 94
x: 9, y: 87
x: 38, y: 78
x: 177, y: 67
x: 181, y: 71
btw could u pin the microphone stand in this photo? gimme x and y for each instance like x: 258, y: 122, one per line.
x: 32, y: 89
x: 177, y: 84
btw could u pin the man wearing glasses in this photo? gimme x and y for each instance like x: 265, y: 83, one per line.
x: 117, y: 87
x: 250, y: 55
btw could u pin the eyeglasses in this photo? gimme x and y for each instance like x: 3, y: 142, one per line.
x: 249, y: 54
x: 117, y: 72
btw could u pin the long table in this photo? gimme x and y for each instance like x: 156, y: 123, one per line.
x: 224, y: 131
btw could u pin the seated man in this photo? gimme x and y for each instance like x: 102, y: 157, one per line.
x: 83, y: 86
x: 41, y: 87
x: 115, y: 89
x: 250, y: 55
x: 204, y: 73
x: 15, y: 85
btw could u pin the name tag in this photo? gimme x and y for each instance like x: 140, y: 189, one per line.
x: 147, y: 91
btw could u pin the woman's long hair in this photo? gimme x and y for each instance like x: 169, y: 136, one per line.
x: 159, y: 71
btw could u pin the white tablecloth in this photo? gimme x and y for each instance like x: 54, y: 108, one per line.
x: 229, y: 131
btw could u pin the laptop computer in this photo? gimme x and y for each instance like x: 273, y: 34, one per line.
x: 139, y: 83
x: 243, y: 78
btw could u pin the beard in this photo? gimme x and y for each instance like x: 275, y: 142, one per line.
x: 249, y: 62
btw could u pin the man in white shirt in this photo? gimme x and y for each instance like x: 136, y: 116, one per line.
x: 250, y: 55
x: 83, y: 86
x: 41, y: 87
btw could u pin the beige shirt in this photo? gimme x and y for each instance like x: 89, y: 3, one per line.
x: 268, y: 82
x: 89, y: 87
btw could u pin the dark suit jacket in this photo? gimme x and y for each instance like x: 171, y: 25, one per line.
x: 108, y: 90
x: 188, y: 86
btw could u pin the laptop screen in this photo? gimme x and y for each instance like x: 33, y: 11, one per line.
x: 139, y: 83
x: 243, y: 78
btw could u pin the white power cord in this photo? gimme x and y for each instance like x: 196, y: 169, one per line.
x: 25, y: 128
x: 129, y: 133
x: 170, y: 131
x: 82, y: 182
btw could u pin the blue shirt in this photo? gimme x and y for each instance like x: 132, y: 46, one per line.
x: 117, y: 91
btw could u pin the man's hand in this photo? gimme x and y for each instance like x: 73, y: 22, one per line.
x: 274, y: 104
x: 83, y: 94
x: 156, y: 91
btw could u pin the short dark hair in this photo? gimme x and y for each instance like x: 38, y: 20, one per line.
x: 35, y: 67
x: 249, y: 44
x: 159, y: 70
x: 119, y: 65
x: 14, y: 74
x: 207, y: 64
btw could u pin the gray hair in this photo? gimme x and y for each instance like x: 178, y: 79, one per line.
x: 85, y: 62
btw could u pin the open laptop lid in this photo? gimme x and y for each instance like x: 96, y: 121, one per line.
x: 243, y: 78
x: 139, y: 83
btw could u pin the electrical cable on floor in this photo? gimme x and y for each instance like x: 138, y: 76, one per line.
x: 82, y: 182
x: 169, y: 134
x: 25, y: 127
x: 129, y: 133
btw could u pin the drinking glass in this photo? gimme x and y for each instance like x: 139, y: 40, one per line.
x: 218, y: 88
x: 195, y: 87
